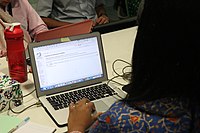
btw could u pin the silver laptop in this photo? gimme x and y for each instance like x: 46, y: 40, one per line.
x: 66, y: 70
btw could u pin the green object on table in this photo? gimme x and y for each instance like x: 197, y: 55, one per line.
x: 8, y: 122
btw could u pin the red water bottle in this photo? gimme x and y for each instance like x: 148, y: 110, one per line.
x: 16, y: 52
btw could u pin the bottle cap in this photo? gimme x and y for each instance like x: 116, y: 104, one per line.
x: 10, y: 26
x: 13, y: 30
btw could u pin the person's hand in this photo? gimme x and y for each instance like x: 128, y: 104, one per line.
x: 101, y: 20
x: 81, y: 115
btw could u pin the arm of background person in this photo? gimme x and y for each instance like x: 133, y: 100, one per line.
x: 101, y: 13
x: 35, y: 23
x: 7, y: 18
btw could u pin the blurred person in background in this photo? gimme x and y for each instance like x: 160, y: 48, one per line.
x: 19, y: 11
x: 57, y: 13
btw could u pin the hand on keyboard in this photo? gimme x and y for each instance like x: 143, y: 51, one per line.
x: 81, y: 115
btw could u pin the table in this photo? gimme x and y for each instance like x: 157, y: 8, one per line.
x: 117, y: 45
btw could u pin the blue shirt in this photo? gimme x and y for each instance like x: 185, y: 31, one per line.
x: 71, y: 11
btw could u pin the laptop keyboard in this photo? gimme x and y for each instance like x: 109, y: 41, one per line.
x: 92, y: 93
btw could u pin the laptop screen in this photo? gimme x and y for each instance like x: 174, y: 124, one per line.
x: 63, y: 64
x: 79, y: 60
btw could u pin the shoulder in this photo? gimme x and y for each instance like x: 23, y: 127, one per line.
x: 122, y: 117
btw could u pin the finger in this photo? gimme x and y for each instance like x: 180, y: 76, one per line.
x: 103, y: 19
x: 71, y: 106
x: 83, y: 101
x: 79, y: 102
x: 100, y: 20
x: 94, y: 23
x: 106, y: 21
x: 91, y: 106
x: 97, y: 20
x: 87, y: 100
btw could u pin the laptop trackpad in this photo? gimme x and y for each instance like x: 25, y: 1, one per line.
x: 100, y: 106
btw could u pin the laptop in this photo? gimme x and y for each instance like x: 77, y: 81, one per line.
x: 66, y: 70
x: 66, y: 30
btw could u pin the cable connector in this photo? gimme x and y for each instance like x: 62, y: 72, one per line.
x: 38, y: 104
x: 127, y: 76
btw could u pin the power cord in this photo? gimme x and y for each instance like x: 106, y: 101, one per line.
x: 125, y: 75
x: 38, y: 104
x: 29, y: 93
x: 112, y: 80
x: 18, y: 112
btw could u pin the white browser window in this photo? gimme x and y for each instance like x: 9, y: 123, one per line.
x: 68, y: 62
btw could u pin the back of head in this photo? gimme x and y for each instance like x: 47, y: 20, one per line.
x: 166, y: 56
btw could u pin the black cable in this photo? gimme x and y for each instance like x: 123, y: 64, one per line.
x: 125, y: 75
x: 18, y: 112
x: 29, y: 93
x: 37, y: 103
x: 112, y: 79
x: 119, y: 96
x: 117, y: 60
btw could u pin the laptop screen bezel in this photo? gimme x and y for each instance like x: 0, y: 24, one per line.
x: 33, y: 45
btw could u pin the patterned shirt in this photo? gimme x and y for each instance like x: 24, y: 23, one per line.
x: 173, y: 117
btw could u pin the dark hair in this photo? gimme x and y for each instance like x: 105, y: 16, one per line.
x: 166, y: 56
